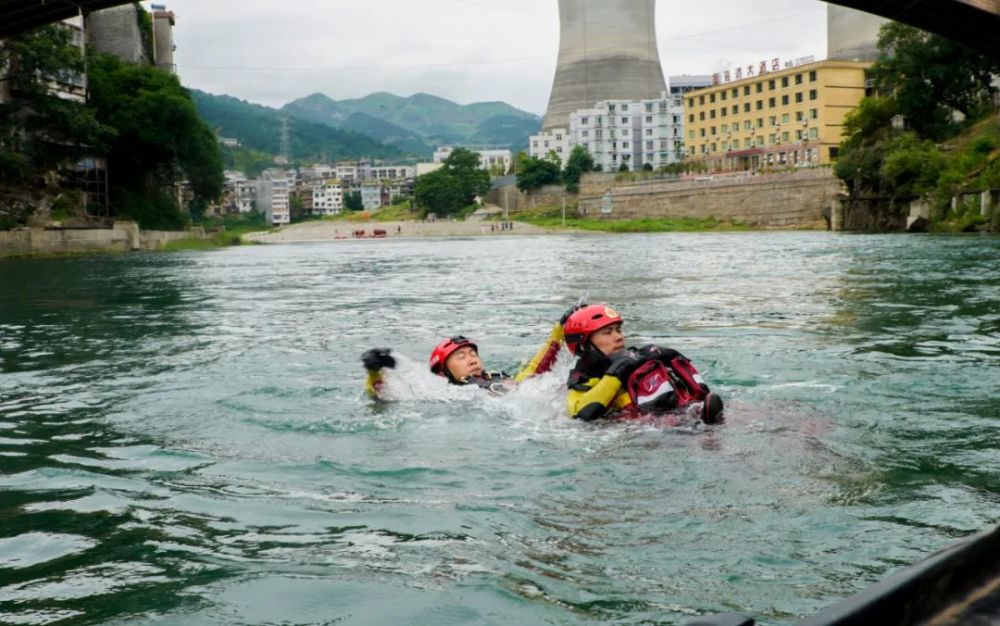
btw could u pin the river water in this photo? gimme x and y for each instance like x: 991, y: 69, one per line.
x: 184, y: 438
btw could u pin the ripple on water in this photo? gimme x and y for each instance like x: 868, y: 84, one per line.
x: 193, y: 428
x: 32, y: 549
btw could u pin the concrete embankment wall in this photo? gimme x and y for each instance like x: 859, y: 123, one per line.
x: 793, y: 200
x: 122, y: 237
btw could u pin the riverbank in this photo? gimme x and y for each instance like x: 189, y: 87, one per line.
x: 122, y: 236
x: 330, y: 230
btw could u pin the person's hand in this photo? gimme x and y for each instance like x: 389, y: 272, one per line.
x: 660, y: 353
x: 571, y: 311
x: 377, y: 358
x: 623, y: 363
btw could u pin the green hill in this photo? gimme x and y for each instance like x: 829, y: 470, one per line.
x: 259, y: 128
x: 431, y: 120
x: 321, y: 110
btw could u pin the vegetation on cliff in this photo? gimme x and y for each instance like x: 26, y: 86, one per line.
x: 932, y: 130
x: 138, y: 117
x: 39, y: 131
x: 159, y: 140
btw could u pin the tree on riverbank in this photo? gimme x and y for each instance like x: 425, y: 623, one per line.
x: 535, y: 173
x: 579, y: 162
x: 159, y: 140
x: 454, y: 186
x: 930, y: 90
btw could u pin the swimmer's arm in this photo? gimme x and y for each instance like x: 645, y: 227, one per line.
x: 374, y: 383
x: 546, y: 356
x: 374, y: 361
x: 590, y: 404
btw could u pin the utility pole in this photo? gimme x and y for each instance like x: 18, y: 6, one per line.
x: 286, y: 143
x: 564, y: 211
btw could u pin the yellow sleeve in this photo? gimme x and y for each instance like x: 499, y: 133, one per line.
x: 604, y: 393
x: 373, y: 384
x: 545, y: 358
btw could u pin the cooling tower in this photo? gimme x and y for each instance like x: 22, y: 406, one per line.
x: 607, y: 51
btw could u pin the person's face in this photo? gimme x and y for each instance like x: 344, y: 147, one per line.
x: 609, y: 339
x: 463, y: 363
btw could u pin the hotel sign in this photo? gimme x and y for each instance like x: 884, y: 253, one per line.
x: 758, y: 69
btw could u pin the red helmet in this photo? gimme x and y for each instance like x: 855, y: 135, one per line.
x: 587, y: 321
x: 445, y: 349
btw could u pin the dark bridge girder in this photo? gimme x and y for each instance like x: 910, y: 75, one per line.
x: 976, y: 23
x: 17, y: 16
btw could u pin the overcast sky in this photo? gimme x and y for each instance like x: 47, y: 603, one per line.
x: 272, y: 52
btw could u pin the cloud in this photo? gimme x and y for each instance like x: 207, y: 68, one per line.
x: 273, y: 52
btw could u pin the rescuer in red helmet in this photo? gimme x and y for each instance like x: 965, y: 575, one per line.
x: 457, y: 359
x: 608, y: 377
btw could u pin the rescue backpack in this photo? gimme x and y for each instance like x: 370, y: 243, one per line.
x: 659, y: 386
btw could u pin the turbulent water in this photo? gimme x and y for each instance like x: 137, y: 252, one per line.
x: 184, y: 438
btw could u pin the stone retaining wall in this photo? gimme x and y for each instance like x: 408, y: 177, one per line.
x: 123, y: 237
x: 791, y: 200
x: 794, y: 200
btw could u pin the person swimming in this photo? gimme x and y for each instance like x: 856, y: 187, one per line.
x: 457, y: 359
x: 610, y: 379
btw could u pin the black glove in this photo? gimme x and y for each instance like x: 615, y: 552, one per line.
x: 662, y: 354
x: 622, y: 364
x: 377, y: 358
x: 571, y: 311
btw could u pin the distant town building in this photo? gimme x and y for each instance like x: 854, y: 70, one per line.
x: 245, y: 196
x: 391, y: 172
x: 274, y: 197
x: 783, y: 118
x: 371, y: 195
x: 347, y: 172
x: 328, y: 197
x: 634, y: 133
x: 489, y: 156
x: 552, y: 142
x: 229, y: 142
x: 680, y: 85
x: 427, y: 168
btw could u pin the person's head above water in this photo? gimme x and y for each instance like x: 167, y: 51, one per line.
x: 594, y: 330
x: 456, y: 359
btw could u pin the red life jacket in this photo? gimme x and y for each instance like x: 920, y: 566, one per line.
x: 655, y: 386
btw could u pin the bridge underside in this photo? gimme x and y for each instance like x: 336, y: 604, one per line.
x: 17, y: 16
x: 976, y: 23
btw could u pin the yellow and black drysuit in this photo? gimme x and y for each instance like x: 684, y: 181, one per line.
x: 597, y: 383
x: 494, y: 382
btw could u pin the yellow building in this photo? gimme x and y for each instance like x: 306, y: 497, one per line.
x: 789, y: 117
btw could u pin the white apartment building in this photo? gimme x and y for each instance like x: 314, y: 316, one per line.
x: 245, y: 196
x: 319, y: 171
x: 391, y: 172
x: 616, y: 132
x: 489, y: 156
x: 371, y: 196
x: 328, y: 198
x: 556, y: 142
x: 273, y: 197
x: 346, y: 172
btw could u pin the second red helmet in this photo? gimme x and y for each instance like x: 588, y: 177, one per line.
x: 445, y: 349
x: 585, y: 322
